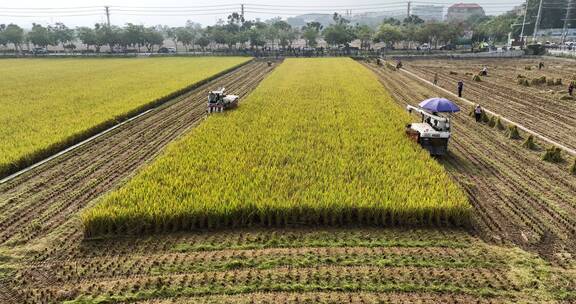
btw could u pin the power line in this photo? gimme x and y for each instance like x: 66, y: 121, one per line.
x: 169, y: 11
x: 178, y: 7
x: 50, y: 8
x: 251, y: 5
x: 390, y: 8
x: 324, y: 6
x: 175, y: 14
x: 48, y: 16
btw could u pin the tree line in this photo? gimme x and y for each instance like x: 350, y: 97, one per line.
x: 237, y: 33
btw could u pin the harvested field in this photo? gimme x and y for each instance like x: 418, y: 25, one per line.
x: 538, y: 107
x: 308, y: 147
x: 48, y: 104
x: 517, y: 196
x: 294, y: 266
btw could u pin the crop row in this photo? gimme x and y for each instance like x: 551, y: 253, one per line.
x: 130, y: 266
x: 333, y: 297
x: 477, y: 281
x: 243, y: 239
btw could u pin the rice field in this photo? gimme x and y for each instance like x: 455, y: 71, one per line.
x: 319, y: 142
x: 46, y: 104
x: 520, y: 248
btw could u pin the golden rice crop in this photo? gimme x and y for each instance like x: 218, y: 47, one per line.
x: 318, y: 142
x: 48, y: 103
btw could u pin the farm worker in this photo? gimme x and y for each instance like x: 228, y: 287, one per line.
x: 540, y: 65
x: 485, y: 71
x: 478, y: 113
x: 399, y: 64
x: 435, y: 78
x: 571, y: 88
x: 460, y: 88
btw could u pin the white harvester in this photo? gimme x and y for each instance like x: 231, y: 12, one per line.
x: 432, y: 133
x: 218, y: 101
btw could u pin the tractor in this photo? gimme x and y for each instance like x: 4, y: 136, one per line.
x: 218, y: 101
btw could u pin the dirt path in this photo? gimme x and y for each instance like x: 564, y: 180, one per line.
x: 39, y: 201
x: 518, y: 197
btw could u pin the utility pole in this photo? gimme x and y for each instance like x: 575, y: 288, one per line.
x: 524, y: 23
x: 565, y: 30
x: 537, y: 21
x: 242, y: 11
x: 408, y: 12
x: 107, y: 15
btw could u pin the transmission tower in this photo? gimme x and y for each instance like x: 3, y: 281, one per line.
x: 565, y: 30
x: 537, y: 24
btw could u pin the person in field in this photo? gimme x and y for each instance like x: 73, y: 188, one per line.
x: 460, y: 88
x: 399, y: 64
x: 484, y: 71
x: 540, y: 65
x: 571, y: 89
x: 478, y: 113
x: 435, y: 79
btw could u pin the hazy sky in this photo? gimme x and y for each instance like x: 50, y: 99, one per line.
x: 206, y: 12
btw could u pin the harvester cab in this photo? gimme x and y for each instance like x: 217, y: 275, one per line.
x: 432, y: 133
x: 218, y: 101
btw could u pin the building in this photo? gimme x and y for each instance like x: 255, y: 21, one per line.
x: 463, y: 11
x: 428, y: 12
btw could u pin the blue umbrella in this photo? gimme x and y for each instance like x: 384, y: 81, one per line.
x: 441, y: 105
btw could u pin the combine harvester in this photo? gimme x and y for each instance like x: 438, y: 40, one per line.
x: 433, y: 132
x: 218, y: 101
